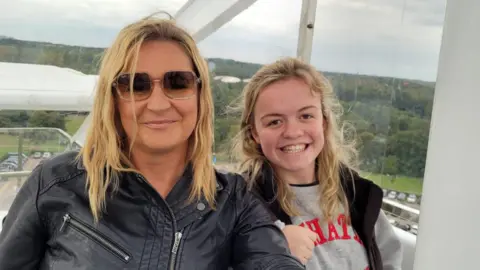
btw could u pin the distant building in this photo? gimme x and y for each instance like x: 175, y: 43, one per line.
x: 227, y: 79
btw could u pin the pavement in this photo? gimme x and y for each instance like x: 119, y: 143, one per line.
x: 9, y: 188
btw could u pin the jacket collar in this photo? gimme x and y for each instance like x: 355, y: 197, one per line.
x: 187, y: 174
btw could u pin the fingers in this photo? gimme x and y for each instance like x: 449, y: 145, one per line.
x: 309, y: 244
x: 303, y: 254
x: 309, y: 238
x: 313, y: 236
x: 306, y: 251
x: 303, y: 260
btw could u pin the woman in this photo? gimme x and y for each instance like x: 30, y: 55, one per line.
x: 143, y: 193
x: 296, y: 157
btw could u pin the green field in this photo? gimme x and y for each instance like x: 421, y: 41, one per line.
x: 400, y: 183
x: 73, y: 123
x: 9, y: 143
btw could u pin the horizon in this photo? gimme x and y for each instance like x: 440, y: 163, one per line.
x: 220, y: 58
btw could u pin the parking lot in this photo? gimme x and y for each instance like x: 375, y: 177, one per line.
x: 10, y: 186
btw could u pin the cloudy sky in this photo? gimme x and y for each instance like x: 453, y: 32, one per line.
x: 399, y: 38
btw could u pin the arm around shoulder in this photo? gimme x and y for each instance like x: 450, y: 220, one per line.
x: 258, y: 243
x: 388, y: 243
x: 23, y: 236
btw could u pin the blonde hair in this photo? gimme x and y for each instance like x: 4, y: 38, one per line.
x: 336, y: 154
x: 103, y: 157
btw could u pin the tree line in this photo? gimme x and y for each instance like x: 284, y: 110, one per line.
x: 391, y: 116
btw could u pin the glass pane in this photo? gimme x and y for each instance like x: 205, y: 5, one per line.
x: 382, y: 57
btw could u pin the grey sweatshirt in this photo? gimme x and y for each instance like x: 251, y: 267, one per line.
x: 338, y: 245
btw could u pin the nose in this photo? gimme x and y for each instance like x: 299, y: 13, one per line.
x: 158, y: 101
x: 292, y: 130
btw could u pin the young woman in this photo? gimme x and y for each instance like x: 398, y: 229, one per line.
x: 296, y: 157
x: 143, y: 193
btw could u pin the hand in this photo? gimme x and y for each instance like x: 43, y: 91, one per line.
x: 301, y: 241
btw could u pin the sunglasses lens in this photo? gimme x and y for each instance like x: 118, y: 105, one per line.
x: 141, y: 86
x: 175, y: 84
x: 179, y: 84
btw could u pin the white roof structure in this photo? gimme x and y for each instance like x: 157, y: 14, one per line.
x: 44, y: 87
x: 228, y: 79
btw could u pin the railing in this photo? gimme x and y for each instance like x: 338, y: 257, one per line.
x: 405, y: 227
x: 16, y: 129
x: 5, y: 175
x: 404, y: 216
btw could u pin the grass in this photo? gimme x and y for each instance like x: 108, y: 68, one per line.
x: 73, y: 123
x: 400, y: 183
x: 9, y: 143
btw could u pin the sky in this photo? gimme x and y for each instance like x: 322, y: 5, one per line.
x: 397, y: 38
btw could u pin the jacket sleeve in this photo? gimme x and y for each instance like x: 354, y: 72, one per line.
x: 388, y: 243
x: 258, y: 244
x: 22, y: 239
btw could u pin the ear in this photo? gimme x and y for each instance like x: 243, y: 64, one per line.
x: 325, y: 123
x: 254, y: 133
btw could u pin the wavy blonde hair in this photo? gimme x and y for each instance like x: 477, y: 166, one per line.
x: 336, y: 154
x: 104, y: 154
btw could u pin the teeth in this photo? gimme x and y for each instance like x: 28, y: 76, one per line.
x: 294, y: 148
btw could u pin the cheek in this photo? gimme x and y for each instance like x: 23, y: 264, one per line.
x: 318, y: 136
x: 188, y: 111
x: 268, y: 141
x: 126, y: 113
x: 192, y: 110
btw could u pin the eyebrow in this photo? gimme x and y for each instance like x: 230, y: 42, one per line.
x: 279, y: 114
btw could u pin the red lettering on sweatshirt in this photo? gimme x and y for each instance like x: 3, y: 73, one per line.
x: 332, y: 233
x: 342, y: 221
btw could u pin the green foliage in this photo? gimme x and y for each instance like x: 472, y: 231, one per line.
x: 391, y: 116
x: 47, y: 119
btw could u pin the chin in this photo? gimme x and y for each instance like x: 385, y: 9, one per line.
x: 294, y: 167
x: 159, y: 144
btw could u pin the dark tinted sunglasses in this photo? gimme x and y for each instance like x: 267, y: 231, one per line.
x: 175, y: 85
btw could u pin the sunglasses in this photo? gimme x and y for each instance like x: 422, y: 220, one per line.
x: 175, y: 85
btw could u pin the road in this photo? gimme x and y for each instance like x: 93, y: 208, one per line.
x: 9, y: 188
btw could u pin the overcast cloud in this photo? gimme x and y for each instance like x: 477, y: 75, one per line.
x: 398, y: 38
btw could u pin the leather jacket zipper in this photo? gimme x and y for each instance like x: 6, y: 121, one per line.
x: 103, y: 241
x: 176, y: 244
x: 178, y: 235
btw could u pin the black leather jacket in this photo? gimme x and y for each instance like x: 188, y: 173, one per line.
x: 49, y: 226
